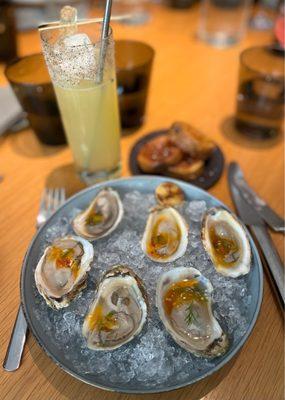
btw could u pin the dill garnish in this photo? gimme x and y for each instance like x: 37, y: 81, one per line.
x: 190, y: 316
x: 199, y: 296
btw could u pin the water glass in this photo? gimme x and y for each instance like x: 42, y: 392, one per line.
x: 31, y: 83
x: 82, y: 68
x: 223, y: 23
x: 136, y: 9
x: 134, y: 63
x: 260, y: 97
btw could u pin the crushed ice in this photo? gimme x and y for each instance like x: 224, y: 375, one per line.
x: 152, y: 358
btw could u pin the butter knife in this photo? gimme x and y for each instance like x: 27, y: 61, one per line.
x: 252, y: 219
x: 270, y: 217
x: 17, y: 342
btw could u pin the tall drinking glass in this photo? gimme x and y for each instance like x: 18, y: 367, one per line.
x: 260, y: 98
x: 85, y: 87
x: 31, y: 83
x: 223, y: 23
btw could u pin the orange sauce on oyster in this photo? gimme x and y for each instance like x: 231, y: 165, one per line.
x: 64, y: 258
x: 183, y: 292
x: 165, y: 238
x: 225, y: 246
x: 99, y: 322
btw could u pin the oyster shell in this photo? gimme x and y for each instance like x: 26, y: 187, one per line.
x: 225, y: 240
x: 118, y: 312
x: 101, y: 217
x: 62, y: 270
x: 165, y: 237
x: 183, y: 299
x: 169, y: 194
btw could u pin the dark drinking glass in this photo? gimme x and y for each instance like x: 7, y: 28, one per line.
x: 8, y: 43
x: 31, y: 83
x: 260, y: 98
x: 133, y: 63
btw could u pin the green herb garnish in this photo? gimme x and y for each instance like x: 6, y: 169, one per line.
x: 191, y: 315
x: 110, y: 314
x: 94, y: 219
x: 160, y: 240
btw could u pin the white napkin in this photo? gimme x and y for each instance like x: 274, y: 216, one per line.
x: 10, y: 109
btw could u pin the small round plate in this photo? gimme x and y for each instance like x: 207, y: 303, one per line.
x: 213, y: 167
x: 37, y: 312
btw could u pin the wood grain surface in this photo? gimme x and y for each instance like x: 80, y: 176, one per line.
x: 192, y: 82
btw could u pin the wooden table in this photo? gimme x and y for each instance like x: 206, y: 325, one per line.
x: 192, y: 82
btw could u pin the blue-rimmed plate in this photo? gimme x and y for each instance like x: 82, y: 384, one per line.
x: 137, y: 366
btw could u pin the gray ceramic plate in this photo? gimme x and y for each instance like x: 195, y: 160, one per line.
x: 30, y: 300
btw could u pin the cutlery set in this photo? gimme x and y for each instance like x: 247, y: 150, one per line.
x: 257, y: 215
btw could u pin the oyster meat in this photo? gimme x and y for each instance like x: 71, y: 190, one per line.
x: 165, y: 237
x: 225, y: 240
x: 62, y: 270
x: 118, y: 312
x: 101, y: 217
x: 169, y: 194
x: 183, y: 299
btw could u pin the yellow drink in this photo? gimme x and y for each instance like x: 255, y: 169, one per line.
x: 82, y: 68
x: 90, y: 117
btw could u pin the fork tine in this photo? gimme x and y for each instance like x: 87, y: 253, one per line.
x: 49, y: 202
x: 43, y: 201
x: 56, y: 202
x: 61, y: 195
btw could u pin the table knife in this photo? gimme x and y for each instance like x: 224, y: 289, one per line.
x: 270, y: 217
x: 253, y: 220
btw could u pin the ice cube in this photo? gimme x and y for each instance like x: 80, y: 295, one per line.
x: 196, y: 210
x: 78, y: 39
x: 76, y: 57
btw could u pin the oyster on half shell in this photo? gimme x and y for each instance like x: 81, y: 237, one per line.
x: 118, y: 311
x: 62, y: 270
x: 165, y: 237
x: 225, y: 240
x: 169, y: 194
x: 101, y: 217
x: 183, y: 299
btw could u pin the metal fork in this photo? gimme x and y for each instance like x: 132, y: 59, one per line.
x: 50, y: 201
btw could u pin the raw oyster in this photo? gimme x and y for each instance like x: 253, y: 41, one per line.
x: 101, y: 217
x: 183, y: 299
x: 169, y: 194
x: 166, y: 235
x: 62, y: 270
x: 225, y: 240
x: 118, y: 312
